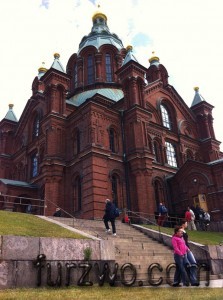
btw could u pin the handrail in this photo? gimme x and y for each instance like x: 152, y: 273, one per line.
x: 151, y: 219
x: 43, y: 204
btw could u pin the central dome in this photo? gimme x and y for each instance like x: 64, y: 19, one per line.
x: 100, y: 34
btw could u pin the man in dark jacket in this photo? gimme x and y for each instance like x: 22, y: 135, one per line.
x: 109, y: 216
x: 163, y: 213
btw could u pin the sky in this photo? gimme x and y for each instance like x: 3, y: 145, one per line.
x: 187, y: 36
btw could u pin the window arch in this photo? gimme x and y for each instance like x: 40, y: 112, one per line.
x: 34, y: 165
x: 166, y: 118
x: 108, y: 67
x: 90, y: 69
x: 171, y: 154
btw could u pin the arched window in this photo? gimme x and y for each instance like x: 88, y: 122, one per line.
x: 165, y: 117
x: 90, y: 69
x: 34, y: 165
x: 108, y: 68
x: 171, y: 154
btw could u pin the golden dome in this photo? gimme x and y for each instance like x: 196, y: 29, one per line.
x: 129, y: 48
x: 11, y: 106
x: 42, y: 69
x: 196, y: 88
x: 154, y: 58
x: 56, y: 55
x: 99, y: 14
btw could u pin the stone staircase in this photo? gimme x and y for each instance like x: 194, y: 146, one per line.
x: 131, y: 247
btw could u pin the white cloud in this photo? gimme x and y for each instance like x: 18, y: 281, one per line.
x: 186, y: 35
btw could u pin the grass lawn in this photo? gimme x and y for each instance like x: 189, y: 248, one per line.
x: 113, y: 293
x: 202, y: 237
x: 12, y: 223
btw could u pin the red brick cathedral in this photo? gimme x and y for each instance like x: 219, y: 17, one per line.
x: 108, y: 127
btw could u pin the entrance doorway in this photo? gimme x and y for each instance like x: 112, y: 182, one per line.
x: 200, y: 200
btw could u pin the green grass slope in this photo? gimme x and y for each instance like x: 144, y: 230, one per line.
x: 12, y: 223
x: 201, y: 237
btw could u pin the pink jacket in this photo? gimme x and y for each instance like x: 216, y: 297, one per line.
x: 179, y: 245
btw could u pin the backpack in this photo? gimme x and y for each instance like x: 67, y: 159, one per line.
x: 117, y: 212
x: 164, y: 209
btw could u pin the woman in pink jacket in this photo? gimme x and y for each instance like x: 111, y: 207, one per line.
x: 180, y: 256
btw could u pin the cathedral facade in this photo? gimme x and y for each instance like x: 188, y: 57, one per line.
x: 108, y: 127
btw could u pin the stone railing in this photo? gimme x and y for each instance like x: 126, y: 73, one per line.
x: 43, y: 261
x: 212, y: 255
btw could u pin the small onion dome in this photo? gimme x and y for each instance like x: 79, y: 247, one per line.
x: 99, y: 14
x: 56, y: 55
x: 154, y: 59
x: 11, y: 106
x: 129, y: 48
x: 42, y: 69
x: 196, y: 88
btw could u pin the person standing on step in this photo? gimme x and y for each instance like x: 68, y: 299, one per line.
x: 163, y: 213
x: 109, y: 216
x: 180, y: 256
x: 191, y: 266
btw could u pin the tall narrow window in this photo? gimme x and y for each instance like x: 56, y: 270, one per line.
x: 76, y: 141
x: 90, y: 69
x: 79, y: 193
x: 108, y: 67
x: 157, y: 152
x: 36, y: 126
x: 34, y: 165
x: 165, y: 117
x: 158, y: 190
x: 75, y: 76
x: 112, y: 140
x: 171, y: 154
x: 115, y: 190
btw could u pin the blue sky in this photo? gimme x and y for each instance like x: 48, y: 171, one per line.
x: 186, y: 35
